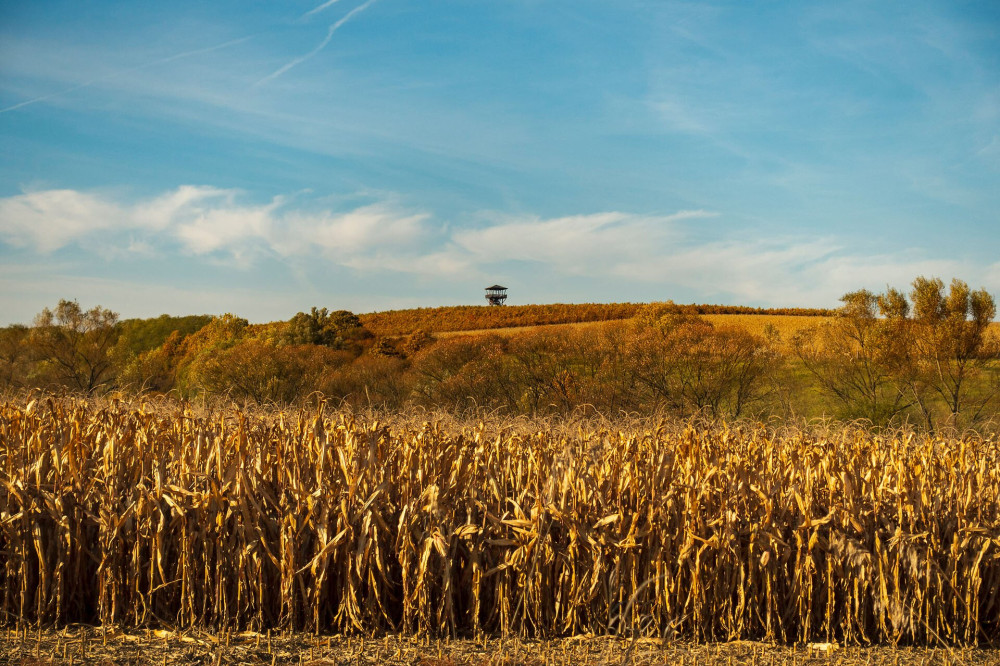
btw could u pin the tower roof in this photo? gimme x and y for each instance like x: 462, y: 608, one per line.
x: 495, y: 288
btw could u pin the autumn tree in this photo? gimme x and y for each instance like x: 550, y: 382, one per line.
x: 887, y: 353
x: 189, y: 360
x: 369, y: 381
x: 385, y: 347
x: 952, y: 345
x: 469, y: 371
x: 156, y: 369
x: 854, y: 356
x: 415, y: 342
x: 73, y: 346
x: 257, y: 371
x: 689, y: 365
x: 13, y: 356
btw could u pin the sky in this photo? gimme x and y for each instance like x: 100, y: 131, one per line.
x: 263, y: 157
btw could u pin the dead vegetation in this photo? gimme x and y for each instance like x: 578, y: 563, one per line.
x: 156, y: 516
x: 94, y: 645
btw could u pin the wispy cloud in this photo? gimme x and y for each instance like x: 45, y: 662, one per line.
x: 123, y: 72
x: 381, y: 238
x: 319, y: 8
x: 203, y: 220
x: 576, y: 244
x: 322, y: 45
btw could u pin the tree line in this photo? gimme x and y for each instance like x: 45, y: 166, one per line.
x: 926, y: 357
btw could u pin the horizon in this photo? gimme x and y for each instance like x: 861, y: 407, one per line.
x: 87, y: 306
x: 376, y: 155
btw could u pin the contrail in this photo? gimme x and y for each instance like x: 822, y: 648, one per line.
x: 121, y: 72
x: 316, y: 10
x: 322, y: 45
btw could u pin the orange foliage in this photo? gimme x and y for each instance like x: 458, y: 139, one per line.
x: 477, y: 317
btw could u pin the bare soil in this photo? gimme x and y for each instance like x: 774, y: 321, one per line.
x: 95, y: 645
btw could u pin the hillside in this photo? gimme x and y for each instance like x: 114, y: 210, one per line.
x: 781, y: 327
x: 483, y: 317
x: 657, y: 358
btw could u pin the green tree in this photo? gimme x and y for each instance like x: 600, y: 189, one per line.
x: 142, y: 335
x: 340, y: 329
x: 148, y: 350
x: 154, y: 370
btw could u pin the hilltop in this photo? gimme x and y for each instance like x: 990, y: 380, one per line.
x: 481, y: 317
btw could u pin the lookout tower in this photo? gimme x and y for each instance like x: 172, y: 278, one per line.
x: 496, y: 294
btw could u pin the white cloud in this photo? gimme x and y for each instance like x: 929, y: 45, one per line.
x: 376, y: 225
x: 207, y: 229
x: 203, y: 220
x: 51, y: 219
x: 639, y: 250
x: 631, y: 252
x: 160, y: 212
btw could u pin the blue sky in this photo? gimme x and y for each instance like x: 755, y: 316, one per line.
x: 263, y: 157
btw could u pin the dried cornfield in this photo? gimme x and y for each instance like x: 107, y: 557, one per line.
x: 143, y: 515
